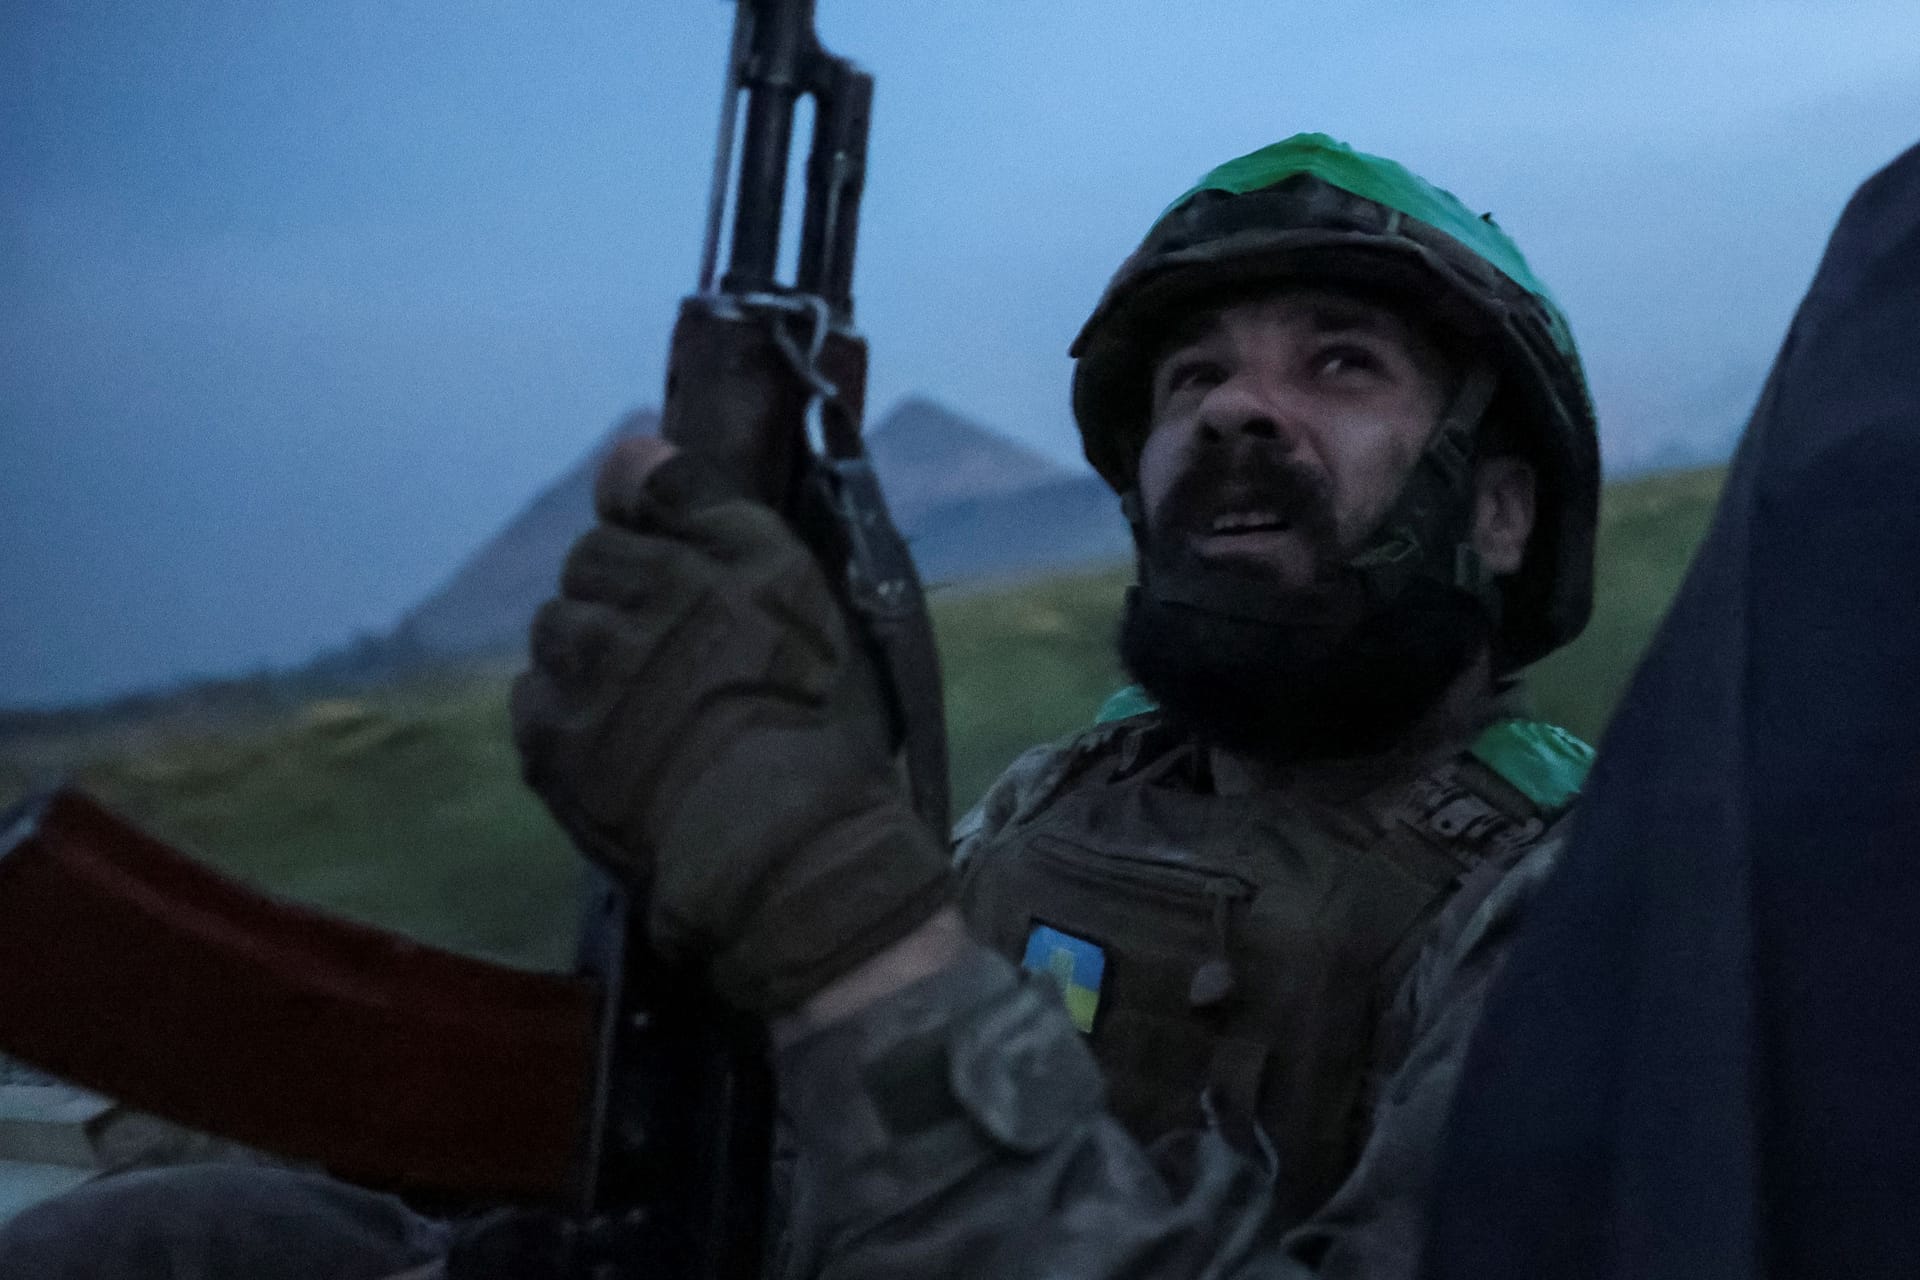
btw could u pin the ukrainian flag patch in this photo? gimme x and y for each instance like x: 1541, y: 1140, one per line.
x: 1074, y: 963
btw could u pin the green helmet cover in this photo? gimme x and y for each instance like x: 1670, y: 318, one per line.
x: 1387, y: 183
x: 1312, y: 210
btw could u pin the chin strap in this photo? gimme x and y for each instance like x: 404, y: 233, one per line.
x: 1428, y: 531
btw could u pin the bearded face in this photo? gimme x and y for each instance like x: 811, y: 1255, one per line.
x: 1283, y: 428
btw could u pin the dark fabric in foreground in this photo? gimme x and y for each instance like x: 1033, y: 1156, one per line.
x: 1703, y: 1059
x: 217, y: 1222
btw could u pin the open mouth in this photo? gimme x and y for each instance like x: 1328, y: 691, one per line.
x: 1232, y: 523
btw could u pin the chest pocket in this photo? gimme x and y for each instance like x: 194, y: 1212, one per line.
x: 1166, y: 971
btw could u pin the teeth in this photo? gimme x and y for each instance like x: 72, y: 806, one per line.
x: 1241, y: 521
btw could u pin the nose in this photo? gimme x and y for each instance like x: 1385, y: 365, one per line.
x: 1238, y: 412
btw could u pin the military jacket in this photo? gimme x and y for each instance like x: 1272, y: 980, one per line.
x: 1233, y: 957
x: 969, y: 1126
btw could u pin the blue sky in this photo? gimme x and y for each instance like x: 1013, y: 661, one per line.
x: 303, y: 302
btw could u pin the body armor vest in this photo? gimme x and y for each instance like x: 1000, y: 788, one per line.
x: 1232, y: 957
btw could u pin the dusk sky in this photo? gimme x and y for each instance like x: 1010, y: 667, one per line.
x: 302, y: 302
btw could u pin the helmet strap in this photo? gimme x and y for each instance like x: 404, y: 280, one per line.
x: 1428, y: 530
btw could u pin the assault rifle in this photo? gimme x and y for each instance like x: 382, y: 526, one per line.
x: 766, y: 380
x: 626, y: 1118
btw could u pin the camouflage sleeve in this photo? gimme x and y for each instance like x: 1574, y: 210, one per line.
x: 957, y: 1129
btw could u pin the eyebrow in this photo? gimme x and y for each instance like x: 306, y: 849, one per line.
x: 1334, y: 316
x: 1186, y: 330
x: 1324, y: 316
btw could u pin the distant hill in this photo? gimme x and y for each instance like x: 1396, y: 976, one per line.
x: 1049, y: 527
x: 972, y: 504
x: 929, y: 457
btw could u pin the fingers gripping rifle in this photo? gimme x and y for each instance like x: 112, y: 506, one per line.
x: 766, y: 381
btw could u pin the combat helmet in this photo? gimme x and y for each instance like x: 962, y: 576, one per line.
x: 1311, y: 210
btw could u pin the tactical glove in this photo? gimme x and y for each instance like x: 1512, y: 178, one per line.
x: 700, y: 719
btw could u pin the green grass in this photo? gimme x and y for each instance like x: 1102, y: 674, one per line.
x: 1648, y: 531
x: 403, y: 807
x: 1023, y: 665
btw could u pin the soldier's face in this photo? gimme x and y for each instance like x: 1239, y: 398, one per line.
x: 1283, y: 427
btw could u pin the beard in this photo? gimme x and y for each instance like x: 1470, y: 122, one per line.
x: 1286, y: 693
x: 1288, y: 674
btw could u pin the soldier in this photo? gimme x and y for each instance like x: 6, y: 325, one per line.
x: 1351, y: 433
x: 1352, y: 436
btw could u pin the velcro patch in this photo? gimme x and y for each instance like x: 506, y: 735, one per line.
x: 1074, y: 963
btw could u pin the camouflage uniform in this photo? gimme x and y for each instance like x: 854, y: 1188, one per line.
x: 961, y: 1127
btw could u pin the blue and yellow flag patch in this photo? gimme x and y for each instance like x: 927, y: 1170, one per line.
x: 1076, y: 964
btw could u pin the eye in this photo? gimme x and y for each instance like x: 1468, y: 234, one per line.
x: 1343, y: 359
x: 1193, y: 372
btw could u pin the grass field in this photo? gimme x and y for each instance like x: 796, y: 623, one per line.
x: 403, y: 807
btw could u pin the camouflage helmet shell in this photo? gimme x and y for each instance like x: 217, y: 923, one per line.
x: 1310, y: 210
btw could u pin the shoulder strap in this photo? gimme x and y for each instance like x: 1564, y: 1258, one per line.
x: 1468, y: 822
x: 1496, y: 797
x: 1506, y: 788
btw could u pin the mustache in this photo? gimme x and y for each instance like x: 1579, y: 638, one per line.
x: 1217, y: 483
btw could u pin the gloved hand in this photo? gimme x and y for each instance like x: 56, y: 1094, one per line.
x: 699, y: 719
